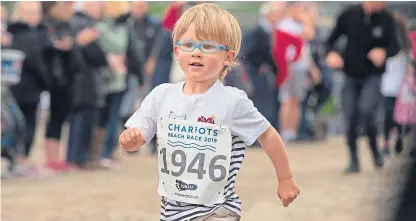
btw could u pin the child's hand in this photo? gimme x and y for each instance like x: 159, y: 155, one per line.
x: 287, y: 191
x: 131, y: 139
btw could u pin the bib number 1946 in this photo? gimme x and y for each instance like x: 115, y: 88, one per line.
x: 196, y: 165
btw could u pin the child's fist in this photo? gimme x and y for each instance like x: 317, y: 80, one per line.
x: 287, y: 191
x: 131, y: 139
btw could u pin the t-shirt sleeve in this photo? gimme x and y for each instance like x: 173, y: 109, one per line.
x: 145, y: 118
x: 247, y: 122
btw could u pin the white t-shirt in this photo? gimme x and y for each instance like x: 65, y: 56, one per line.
x: 228, y: 106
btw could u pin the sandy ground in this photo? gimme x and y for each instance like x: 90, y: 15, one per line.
x: 128, y: 192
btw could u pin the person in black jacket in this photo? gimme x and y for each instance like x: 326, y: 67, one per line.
x: 59, y: 63
x: 370, y: 31
x: 30, y: 36
x: 145, y: 36
x: 145, y: 44
x: 87, y: 89
x: 257, y: 57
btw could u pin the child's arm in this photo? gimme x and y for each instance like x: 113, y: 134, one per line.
x: 250, y: 125
x: 274, y: 147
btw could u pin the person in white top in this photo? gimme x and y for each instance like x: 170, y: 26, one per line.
x: 202, y: 126
x: 297, y: 23
x: 397, y: 68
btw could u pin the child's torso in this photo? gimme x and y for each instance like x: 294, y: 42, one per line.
x: 211, y: 107
x: 214, y: 106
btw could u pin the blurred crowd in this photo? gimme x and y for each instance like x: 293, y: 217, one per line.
x: 97, y: 60
x: 82, y: 54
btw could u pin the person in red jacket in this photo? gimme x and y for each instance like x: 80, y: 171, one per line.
x: 174, y: 11
x: 412, y: 35
x: 293, y: 58
x: 172, y: 14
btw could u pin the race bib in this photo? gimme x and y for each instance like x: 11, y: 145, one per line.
x: 193, y: 161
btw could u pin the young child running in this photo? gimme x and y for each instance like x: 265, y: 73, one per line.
x: 203, y: 127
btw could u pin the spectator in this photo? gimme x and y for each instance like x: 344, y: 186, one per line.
x: 397, y: 68
x: 371, y: 36
x: 113, y: 39
x: 88, y: 93
x: 145, y: 38
x: 294, y: 32
x: 256, y: 56
x: 30, y: 36
x: 58, y: 60
x: 172, y: 14
x: 320, y: 86
x: 12, y: 120
x: 412, y: 35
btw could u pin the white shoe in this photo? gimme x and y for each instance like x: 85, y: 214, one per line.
x: 107, y: 163
x: 288, y: 136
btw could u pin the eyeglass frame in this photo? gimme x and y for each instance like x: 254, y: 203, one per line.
x: 197, y: 45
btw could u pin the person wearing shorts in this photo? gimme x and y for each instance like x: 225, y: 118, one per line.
x: 202, y: 126
x: 293, y: 89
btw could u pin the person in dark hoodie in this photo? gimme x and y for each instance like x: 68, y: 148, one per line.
x: 87, y: 90
x: 29, y: 35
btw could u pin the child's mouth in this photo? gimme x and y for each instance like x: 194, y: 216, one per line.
x: 196, y: 64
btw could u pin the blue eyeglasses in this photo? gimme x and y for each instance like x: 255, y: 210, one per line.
x: 206, y: 47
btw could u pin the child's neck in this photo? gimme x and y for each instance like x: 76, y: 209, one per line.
x: 197, y: 87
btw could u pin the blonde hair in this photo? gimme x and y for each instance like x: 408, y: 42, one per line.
x: 213, y: 23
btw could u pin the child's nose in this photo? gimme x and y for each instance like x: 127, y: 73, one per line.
x: 196, y: 53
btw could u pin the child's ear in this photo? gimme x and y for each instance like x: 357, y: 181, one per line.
x: 176, y: 51
x: 230, y: 58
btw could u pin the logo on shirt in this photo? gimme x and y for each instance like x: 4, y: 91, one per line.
x: 176, y: 117
x: 182, y: 186
x: 209, y: 120
x: 377, y: 32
